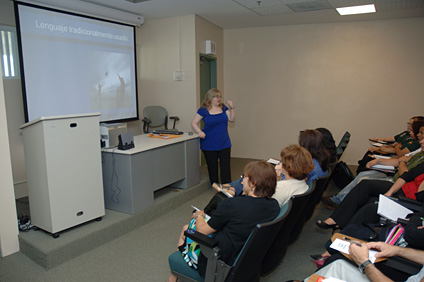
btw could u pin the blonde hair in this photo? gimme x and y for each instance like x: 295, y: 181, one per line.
x: 207, y: 102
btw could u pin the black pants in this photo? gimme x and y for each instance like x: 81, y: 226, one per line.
x: 365, y: 191
x: 213, y: 158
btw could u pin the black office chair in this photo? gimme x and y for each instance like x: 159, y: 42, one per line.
x: 247, y: 266
x: 156, y: 117
x: 302, y: 217
x: 321, y: 186
x: 279, y: 246
x: 343, y: 144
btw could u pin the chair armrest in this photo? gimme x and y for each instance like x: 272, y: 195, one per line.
x: 410, y: 203
x: 404, y: 265
x: 175, y: 118
x: 215, y: 270
x: 146, y: 122
x: 201, y: 238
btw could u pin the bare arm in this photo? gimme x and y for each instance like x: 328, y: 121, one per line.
x: 231, y: 113
x: 402, y: 168
x: 392, y: 161
x: 195, y: 124
x: 386, y: 250
x: 395, y: 187
x: 201, y: 225
x: 401, y: 152
x: 359, y: 255
x: 386, y: 139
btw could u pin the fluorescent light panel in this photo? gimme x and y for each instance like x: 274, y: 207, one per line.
x: 363, y: 9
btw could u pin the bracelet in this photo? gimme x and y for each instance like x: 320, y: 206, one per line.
x: 232, y: 108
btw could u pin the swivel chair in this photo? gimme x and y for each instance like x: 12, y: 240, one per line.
x: 156, y: 117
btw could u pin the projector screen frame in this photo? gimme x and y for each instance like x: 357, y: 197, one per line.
x: 134, y: 80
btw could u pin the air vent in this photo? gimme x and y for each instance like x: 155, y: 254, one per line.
x: 309, y: 6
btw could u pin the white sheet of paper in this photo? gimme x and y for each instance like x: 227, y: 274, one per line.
x: 380, y: 166
x: 332, y: 279
x: 390, y: 209
x: 273, y: 161
x: 376, y: 144
x: 381, y: 157
x: 343, y: 246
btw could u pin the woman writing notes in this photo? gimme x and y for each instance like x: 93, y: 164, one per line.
x: 215, y: 141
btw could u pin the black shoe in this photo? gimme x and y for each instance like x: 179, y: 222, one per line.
x: 323, y: 225
x: 316, y: 257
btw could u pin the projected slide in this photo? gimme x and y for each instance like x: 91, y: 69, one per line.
x: 75, y: 65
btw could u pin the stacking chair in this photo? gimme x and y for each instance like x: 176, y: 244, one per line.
x: 321, y: 185
x: 302, y: 217
x: 343, y: 144
x: 247, y: 266
x: 156, y: 117
x: 279, y: 246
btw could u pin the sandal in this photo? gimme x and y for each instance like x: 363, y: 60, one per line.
x: 217, y: 187
x: 320, y: 262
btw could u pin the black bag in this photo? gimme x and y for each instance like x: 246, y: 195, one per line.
x: 342, y: 175
x: 214, y: 202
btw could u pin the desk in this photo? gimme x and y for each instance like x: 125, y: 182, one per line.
x: 130, y: 177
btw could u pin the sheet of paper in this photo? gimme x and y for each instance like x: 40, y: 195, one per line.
x: 381, y: 157
x: 273, y: 161
x: 376, y: 144
x: 343, y: 246
x: 390, y: 209
x: 380, y: 166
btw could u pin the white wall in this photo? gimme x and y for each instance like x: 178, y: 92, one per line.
x: 208, y: 31
x: 165, y: 46
x: 168, y: 45
x: 364, y: 77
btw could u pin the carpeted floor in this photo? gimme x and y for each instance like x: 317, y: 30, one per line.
x: 142, y: 254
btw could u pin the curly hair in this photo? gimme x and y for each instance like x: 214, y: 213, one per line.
x: 297, y: 161
x: 262, y: 175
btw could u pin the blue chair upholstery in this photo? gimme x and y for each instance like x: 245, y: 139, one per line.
x: 178, y: 264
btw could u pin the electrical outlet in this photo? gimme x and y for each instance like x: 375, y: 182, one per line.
x: 178, y: 75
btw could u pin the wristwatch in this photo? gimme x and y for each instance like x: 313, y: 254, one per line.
x: 364, y: 265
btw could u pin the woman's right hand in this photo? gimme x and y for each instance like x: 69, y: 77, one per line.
x: 202, y: 135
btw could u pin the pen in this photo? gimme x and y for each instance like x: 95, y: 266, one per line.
x: 353, y: 241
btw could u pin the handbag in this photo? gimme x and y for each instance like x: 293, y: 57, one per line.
x: 395, y: 236
x: 342, y: 175
x: 191, y: 250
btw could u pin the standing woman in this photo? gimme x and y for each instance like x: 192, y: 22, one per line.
x: 215, y: 141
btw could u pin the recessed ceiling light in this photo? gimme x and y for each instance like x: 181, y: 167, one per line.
x: 363, y: 9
